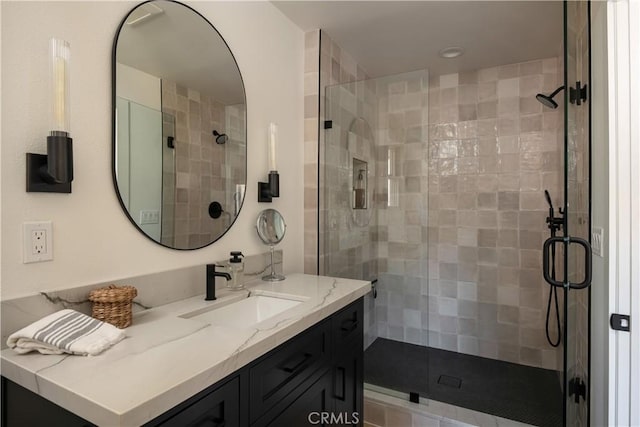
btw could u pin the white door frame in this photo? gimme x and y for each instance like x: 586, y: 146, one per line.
x: 623, y: 27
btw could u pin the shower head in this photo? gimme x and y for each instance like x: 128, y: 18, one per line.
x: 221, y: 138
x: 547, y: 100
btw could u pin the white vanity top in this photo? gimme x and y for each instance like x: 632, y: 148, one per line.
x: 166, y: 359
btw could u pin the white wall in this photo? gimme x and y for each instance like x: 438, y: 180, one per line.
x: 623, y: 62
x: 93, y: 239
x: 599, y: 213
x: 138, y: 86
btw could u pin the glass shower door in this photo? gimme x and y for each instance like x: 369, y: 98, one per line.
x: 577, y: 214
x: 373, y: 219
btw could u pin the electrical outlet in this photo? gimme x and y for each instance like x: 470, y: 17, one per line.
x: 37, y: 242
x: 597, y: 241
x: 149, y: 217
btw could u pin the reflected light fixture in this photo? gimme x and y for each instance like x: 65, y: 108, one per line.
x: 53, y: 172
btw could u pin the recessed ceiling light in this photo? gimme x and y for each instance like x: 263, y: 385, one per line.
x: 451, y: 52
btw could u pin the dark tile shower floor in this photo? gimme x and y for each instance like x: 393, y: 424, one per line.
x: 517, y: 392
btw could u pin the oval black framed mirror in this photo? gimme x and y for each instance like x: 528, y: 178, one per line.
x: 179, y: 126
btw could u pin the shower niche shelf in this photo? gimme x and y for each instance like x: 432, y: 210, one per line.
x: 360, y: 173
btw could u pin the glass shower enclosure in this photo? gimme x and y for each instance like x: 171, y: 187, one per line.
x: 432, y: 187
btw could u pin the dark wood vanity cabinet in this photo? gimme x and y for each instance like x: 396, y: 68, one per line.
x: 348, y: 381
x: 307, y: 406
x: 315, y: 378
x: 281, y: 373
x: 348, y: 368
x: 217, y: 408
x: 22, y: 407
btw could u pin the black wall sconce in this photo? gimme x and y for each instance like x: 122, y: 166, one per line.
x: 268, y: 190
x: 53, y: 172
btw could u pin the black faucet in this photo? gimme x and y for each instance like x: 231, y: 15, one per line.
x: 211, y: 281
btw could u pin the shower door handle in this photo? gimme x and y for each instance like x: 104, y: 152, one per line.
x: 545, y: 261
x: 567, y: 241
x: 587, y: 263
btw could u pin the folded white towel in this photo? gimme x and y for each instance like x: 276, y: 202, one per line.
x: 66, y: 331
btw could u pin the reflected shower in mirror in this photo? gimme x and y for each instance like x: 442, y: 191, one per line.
x: 180, y: 125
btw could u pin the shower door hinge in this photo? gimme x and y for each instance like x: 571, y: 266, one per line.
x: 620, y: 322
x: 578, y: 388
x: 578, y: 94
x: 328, y: 124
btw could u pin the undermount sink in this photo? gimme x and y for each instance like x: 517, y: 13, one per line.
x: 244, y: 313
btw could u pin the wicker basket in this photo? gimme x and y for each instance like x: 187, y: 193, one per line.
x: 113, y: 304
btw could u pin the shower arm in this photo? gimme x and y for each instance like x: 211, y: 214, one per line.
x: 555, y: 92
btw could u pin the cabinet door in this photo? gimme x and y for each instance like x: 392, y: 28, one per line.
x: 220, y: 408
x: 308, y: 408
x: 22, y: 407
x: 348, y: 382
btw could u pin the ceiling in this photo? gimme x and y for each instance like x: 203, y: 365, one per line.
x: 390, y: 37
x: 172, y: 42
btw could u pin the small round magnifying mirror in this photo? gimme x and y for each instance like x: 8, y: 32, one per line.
x: 271, y: 229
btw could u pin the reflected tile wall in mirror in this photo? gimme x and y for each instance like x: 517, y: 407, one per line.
x: 204, y: 170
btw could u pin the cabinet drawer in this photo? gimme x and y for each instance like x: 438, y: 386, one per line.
x: 347, y: 325
x: 306, y: 409
x: 220, y: 408
x: 273, y: 378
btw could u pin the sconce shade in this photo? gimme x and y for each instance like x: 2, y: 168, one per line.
x: 272, y: 142
x: 60, y: 54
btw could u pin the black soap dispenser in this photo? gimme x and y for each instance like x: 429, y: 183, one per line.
x: 236, y: 268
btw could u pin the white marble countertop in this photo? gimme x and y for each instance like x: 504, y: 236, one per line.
x: 166, y: 359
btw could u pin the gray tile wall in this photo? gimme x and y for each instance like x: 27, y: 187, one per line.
x: 311, y: 143
x: 493, y: 150
x: 461, y: 164
x: 204, y: 171
x: 402, y: 201
x: 345, y: 247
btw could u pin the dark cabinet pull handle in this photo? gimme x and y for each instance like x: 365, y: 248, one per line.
x: 349, y: 325
x: 587, y: 261
x: 340, y: 384
x: 295, y: 367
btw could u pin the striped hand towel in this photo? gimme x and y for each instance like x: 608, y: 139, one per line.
x: 66, y: 331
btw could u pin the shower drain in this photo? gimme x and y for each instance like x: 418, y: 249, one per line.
x: 450, y: 381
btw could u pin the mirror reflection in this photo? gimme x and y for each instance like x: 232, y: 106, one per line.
x: 271, y: 229
x: 180, y: 126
